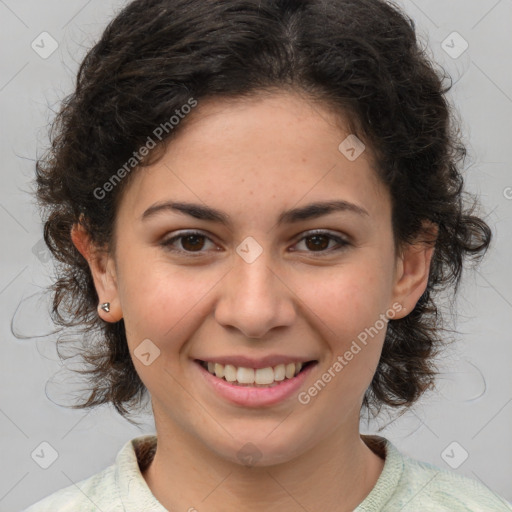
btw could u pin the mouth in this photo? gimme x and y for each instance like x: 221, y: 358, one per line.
x: 268, y: 377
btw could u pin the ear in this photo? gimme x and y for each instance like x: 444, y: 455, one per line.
x: 413, y: 269
x: 103, y: 272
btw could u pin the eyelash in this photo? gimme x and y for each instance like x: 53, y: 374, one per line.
x: 167, y: 244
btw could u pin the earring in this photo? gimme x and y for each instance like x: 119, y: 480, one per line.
x: 105, y: 306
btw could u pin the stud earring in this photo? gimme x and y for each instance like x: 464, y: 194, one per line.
x: 105, y: 306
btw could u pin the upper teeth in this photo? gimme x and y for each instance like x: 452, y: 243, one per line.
x: 254, y: 375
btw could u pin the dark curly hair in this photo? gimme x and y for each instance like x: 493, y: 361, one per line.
x: 359, y: 58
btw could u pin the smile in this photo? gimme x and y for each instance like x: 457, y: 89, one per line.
x: 283, y: 380
x: 255, y: 377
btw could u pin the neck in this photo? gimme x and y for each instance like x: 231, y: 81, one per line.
x: 334, y: 475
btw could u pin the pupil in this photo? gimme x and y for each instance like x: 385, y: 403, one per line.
x: 316, y: 244
x: 194, y: 244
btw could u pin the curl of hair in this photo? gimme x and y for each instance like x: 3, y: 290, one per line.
x: 360, y: 58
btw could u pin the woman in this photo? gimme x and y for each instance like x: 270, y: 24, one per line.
x: 254, y: 204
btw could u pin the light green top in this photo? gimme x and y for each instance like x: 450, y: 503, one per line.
x: 405, y: 485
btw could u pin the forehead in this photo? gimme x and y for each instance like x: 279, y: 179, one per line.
x: 261, y: 153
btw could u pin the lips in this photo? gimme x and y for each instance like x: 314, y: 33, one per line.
x: 254, y: 395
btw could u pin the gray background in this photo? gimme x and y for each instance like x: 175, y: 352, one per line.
x: 473, y: 403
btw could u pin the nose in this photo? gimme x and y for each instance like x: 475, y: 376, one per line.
x: 255, y: 297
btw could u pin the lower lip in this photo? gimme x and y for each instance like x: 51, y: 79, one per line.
x: 252, y: 396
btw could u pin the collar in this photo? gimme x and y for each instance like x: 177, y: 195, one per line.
x: 137, y: 453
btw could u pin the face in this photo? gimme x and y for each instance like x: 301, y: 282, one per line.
x: 244, y: 271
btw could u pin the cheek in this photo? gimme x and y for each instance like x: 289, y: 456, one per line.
x: 349, y: 299
x: 160, y: 301
x: 348, y: 306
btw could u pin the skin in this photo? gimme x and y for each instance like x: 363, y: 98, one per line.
x: 253, y: 159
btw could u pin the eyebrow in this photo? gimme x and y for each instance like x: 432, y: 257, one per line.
x: 310, y: 211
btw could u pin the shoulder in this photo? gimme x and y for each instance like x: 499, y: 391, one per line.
x: 97, y: 492
x: 113, y: 489
x: 424, y: 486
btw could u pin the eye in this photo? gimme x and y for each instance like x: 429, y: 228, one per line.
x: 193, y: 242
x: 318, y: 241
x: 190, y: 242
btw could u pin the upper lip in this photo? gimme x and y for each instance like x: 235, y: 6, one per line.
x: 262, y: 362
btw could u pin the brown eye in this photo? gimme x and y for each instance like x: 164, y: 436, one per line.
x: 192, y: 242
x: 319, y: 242
x: 189, y: 243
